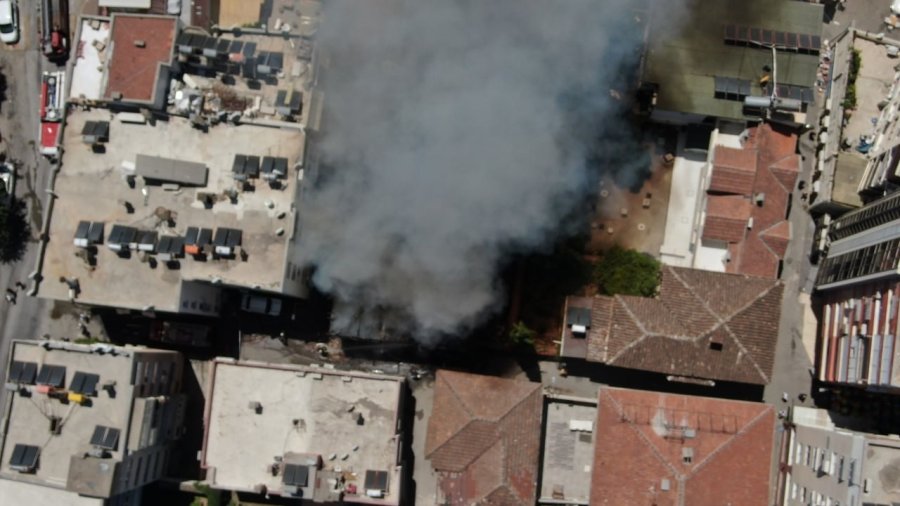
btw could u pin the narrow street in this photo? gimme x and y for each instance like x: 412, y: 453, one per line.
x: 21, y: 66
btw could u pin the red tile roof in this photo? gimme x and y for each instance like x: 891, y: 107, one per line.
x: 484, y: 439
x: 733, y: 170
x: 757, y: 251
x: 726, y: 217
x: 673, y: 333
x: 132, y: 69
x: 641, y: 439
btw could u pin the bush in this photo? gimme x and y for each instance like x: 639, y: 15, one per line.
x: 627, y: 272
x: 522, y: 335
x: 855, y: 64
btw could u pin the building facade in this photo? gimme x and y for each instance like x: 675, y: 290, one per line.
x: 826, y: 465
x: 858, y: 290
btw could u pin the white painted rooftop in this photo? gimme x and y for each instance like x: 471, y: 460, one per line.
x: 687, y: 180
x: 87, y: 74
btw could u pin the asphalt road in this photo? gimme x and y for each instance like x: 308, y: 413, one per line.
x: 21, y: 66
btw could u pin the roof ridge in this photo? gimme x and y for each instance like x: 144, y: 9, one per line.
x: 460, y: 432
x: 705, y: 305
x: 777, y: 179
x: 644, y: 437
x: 637, y: 322
x: 762, y: 238
x: 734, y: 336
x: 456, y: 394
x: 609, y: 323
x: 462, y: 429
x: 770, y: 227
x: 731, y: 441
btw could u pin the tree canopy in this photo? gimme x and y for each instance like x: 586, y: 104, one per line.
x: 627, y: 272
x: 14, y: 229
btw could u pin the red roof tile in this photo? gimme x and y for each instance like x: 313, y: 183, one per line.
x: 733, y: 170
x: 671, y: 334
x: 484, y: 439
x: 133, y: 69
x: 641, y: 440
x: 726, y: 217
x: 786, y: 171
x: 774, y: 174
x: 777, y: 237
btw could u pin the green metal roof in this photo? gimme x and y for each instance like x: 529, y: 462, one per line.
x: 684, y: 61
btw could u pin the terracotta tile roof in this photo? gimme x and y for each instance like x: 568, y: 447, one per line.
x: 641, y: 439
x: 733, y: 171
x: 132, y: 69
x: 786, y: 171
x: 484, y: 439
x: 775, y: 170
x: 777, y: 237
x: 726, y: 217
x: 674, y: 333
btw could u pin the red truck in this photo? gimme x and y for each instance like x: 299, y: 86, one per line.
x: 52, y: 104
x: 55, y: 29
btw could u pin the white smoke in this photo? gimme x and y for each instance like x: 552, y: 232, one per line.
x: 457, y: 132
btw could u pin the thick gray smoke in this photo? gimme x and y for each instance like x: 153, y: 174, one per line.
x: 457, y: 132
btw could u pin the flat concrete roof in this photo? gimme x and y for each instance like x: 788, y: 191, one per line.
x: 140, y: 43
x: 568, y: 454
x: 880, y: 469
x: 684, y: 198
x: 684, y: 62
x: 848, y: 171
x: 17, y: 492
x: 87, y: 73
x: 302, y: 410
x: 296, y: 75
x: 92, y: 187
x: 28, y: 417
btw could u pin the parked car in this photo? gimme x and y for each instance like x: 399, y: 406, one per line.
x: 895, y: 7
x: 7, y: 183
x: 9, y: 21
x: 261, y: 304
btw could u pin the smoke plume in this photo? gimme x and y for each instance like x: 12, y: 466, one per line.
x: 455, y: 133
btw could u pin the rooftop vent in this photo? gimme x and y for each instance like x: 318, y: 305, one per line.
x: 687, y: 455
x: 140, y: 43
x: 256, y: 406
x: 665, y: 485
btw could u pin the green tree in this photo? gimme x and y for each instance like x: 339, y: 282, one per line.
x: 627, y: 272
x: 522, y: 335
x: 14, y: 229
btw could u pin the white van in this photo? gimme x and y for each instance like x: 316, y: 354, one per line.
x: 9, y: 22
